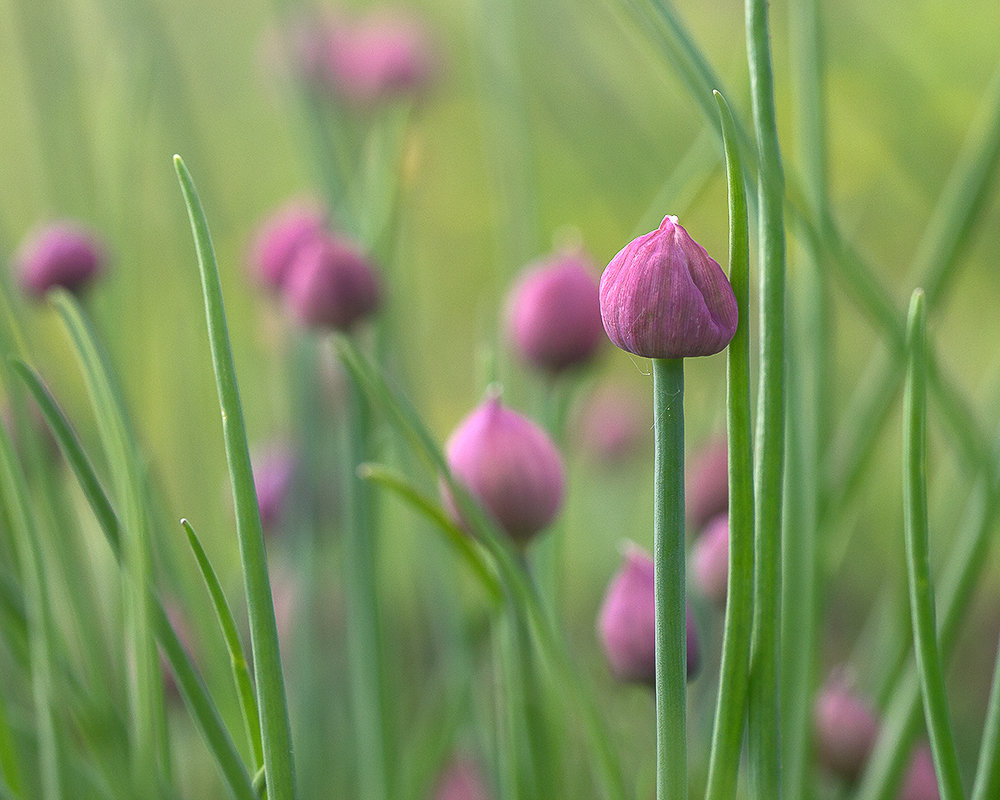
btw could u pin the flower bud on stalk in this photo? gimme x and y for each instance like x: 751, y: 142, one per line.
x: 846, y: 728
x: 510, y: 466
x: 279, y: 240
x: 60, y: 254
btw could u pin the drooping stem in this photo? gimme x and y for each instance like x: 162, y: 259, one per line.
x: 668, y: 557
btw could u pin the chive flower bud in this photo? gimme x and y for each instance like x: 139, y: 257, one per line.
x: 462, y: 780
x: 710, y: 560
x: 279, y: 240
x: 273, y: 473
x: 331, y: 284
x: 510, y: 466
x: 921, y: 781
x: 626, y: 624
x: 846, y: 727
x: 706, y: 489
x: 60, y: 254
x: 612, y: 424
x: 663, y: 296
x: 554, y: 313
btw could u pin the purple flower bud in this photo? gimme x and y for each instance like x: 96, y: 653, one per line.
x: 626, y: 624
x: 612, y: 423
x: 710, y: 560
x: 378, y: 58
x: 846, y: 727
x: 60, y: 254
x: 663, y: 296
x: 273, y: 473
x: 921, y: 781
x: 461, y: 780
x: 510, y: 465
x: 331, y: 284
x: 279, y: 240
x: 554, y: 313
x: 706, y: 488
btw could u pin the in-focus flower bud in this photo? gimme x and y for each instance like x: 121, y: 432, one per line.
x: 706, y: 486
x: 60, y: 254
x: 663, y: 296
x: 378, y: 58
x: 279, y: 240
x: 462, y: 780
x: 710, y: 560
x: 510, y: 465
x: 626, y: 624
x: 921, y: 781
x: 273, y: 474
x: 554, y: 313
x: 331, y: 284
x: 846, y: 727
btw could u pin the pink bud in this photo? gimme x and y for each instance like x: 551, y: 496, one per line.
x: 273, y: 473
x: 60, y: 254
x: 710, y: 560
x: 461, y: 780
x: 554, y: 313
x: 663, y: 296
x: 279, y: 240
x: 510, y: 465
x: 846, y: 727
x: 612, y: 422
x: 331, y: 284
x: 706, y: 488
x: 921, y: 781
x: 626, y: 624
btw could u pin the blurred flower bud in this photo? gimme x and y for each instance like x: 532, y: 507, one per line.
x: 554, y: 313
x: 273, y: 474
x: 611, y: 423
x: 846, y: 727
x: 921, y: 781
x: 663, y: 296
x: 626, y: 624
x: 710, y: 560
x: 279, y: 240
x: 706, y: 487
x: 510, y: 465
x: 461, y: 780
x: 60, y: 254
x: 331, y: 284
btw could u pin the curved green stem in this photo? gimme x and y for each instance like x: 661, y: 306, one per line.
x: 921, y: 588
x: 668, y: 558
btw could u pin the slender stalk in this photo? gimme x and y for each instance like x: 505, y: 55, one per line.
x: 730, y: 709
x: 915, y: 525
x: 987, y: 782
x: 764, y: 705
x: 668, y: 558
x: 275, y: 731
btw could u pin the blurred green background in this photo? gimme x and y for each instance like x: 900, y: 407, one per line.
x: 97, y: 95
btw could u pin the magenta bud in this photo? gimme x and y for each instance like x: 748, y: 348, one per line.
x: 279, y: 240
x: 663, y: 296
x: 612, y: 423
x: 626, y: 624
x: 273, y: 475
x: 378, y: 58
x: 462, y: 780
x: 710, y: 560
x: 554, y: 313
x: 60, y: 254
x: 846, y: 727
x: 921, y: 781
x: 706, y: 488
x: 331, y: 284
x: 510, y: 466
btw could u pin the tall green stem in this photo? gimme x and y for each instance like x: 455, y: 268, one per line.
x: 668, y: 557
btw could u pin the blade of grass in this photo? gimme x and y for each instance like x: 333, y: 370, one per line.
x: 915, y: 526
x: 275, y: 732
x: 730, y: 709
x: 987, y: 781
x: 10, y: 758
x: 241, y: 673
x: 196, y: 697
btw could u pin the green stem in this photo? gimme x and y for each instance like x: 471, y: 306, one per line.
x: 922, y: 611
x: 275, y: 730
x: 730, y: 709
x: 987, y: 782
x: 668, y: 558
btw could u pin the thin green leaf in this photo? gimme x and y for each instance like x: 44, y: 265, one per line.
x: 987, y: 782
x: 241, y: 673
x: 275, y: 730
